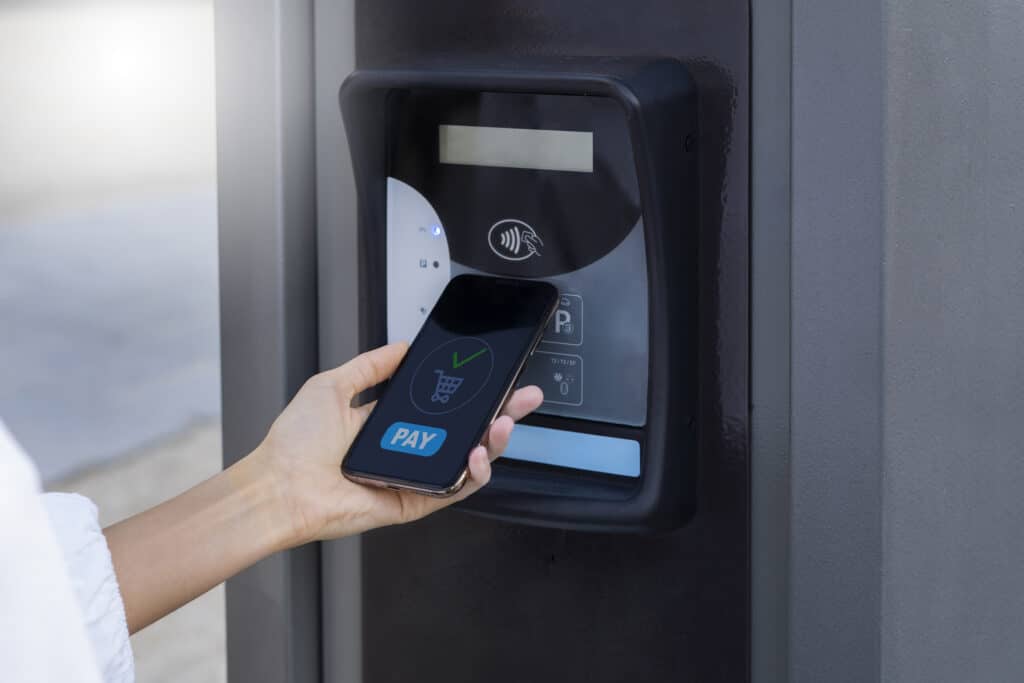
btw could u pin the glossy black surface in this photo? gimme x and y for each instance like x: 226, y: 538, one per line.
x: 463, y: 599
x: 579, y: 217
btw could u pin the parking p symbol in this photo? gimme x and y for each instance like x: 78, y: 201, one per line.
x: 563, y: 321
x: 566, y: 325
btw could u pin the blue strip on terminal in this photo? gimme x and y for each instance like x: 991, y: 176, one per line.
x: 591, y: 452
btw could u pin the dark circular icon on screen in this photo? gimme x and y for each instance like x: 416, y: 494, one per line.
x: 451, y: 375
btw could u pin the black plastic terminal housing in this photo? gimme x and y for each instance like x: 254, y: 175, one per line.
x: 660, y: 104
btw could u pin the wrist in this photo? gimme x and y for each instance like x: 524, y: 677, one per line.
x: 263, y: 497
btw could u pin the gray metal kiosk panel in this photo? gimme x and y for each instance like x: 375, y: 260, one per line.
x: 770, y: 192
x: 907, y: 342
x: 953, y: 487
x: 837, y: 237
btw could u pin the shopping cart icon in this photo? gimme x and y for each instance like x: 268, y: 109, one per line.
x: 447, y: 385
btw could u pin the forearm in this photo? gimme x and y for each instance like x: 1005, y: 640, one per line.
x: 171, y: 554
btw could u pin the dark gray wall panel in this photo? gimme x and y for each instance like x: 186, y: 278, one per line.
x: 481, y: 600
x: 954, y: 343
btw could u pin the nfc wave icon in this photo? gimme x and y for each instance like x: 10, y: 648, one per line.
x: 514, y: 240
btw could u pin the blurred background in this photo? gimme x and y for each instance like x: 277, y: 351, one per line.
x: 109, y: 368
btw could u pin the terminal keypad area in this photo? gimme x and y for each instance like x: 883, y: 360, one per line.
x: 592, y: 362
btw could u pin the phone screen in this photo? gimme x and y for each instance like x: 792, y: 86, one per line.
x: 441, y: 399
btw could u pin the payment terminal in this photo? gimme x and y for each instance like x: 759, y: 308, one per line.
x: 578, y: 172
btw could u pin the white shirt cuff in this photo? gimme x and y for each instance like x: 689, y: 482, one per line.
x: 76, y: 524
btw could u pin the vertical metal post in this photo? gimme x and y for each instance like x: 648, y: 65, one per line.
x: 339, y: 328
x: 770, y: 371
x: 953, y: 348
x: 836, y: 400
x: 267, y: 214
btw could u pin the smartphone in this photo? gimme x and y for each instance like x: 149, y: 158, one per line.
x: 451, y: 385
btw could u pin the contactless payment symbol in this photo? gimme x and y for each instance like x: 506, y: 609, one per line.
x: 514, y: 240
x: 451, y: 375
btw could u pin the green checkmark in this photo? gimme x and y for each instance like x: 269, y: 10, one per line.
x: 456, y: 363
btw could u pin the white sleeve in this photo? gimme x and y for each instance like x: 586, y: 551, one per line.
x: 41, y: 635
x: 89, y: 565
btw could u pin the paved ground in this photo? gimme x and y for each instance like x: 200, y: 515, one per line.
x: 110, y: 327
x: 187, y: 646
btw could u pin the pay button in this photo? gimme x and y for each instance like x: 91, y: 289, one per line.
x: 405, y: 437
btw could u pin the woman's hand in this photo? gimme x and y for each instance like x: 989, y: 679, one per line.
x: 303, y: 452
x: 288, y: 491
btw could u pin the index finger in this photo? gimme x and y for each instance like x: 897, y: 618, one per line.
x: 523, y: 402
x: 367, y: 369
